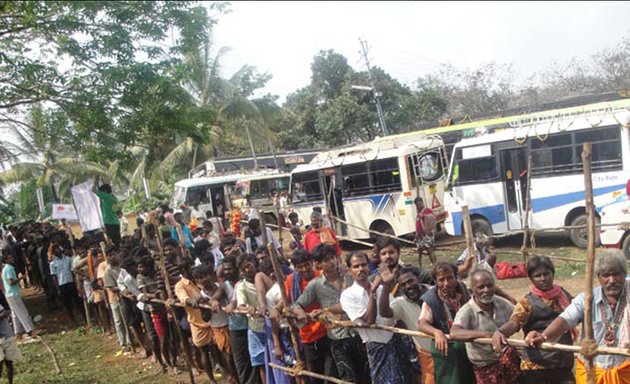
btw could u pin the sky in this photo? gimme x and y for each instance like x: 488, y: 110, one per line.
x: 411, y: 39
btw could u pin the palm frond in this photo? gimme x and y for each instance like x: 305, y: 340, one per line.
x: 174, y: 158
x: 21, y: 172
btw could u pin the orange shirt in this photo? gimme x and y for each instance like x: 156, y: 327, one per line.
x: 313, y: 331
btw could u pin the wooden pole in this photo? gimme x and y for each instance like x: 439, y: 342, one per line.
x: 273, y: 255
x: 145, y: 239
x: 590, y: 257
x: 468, y: 233
x: 301, y: 372
x: 167, y: 282
x: 528, y: 207
x: 182, y: 241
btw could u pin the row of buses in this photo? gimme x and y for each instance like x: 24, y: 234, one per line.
x: 373, y: 185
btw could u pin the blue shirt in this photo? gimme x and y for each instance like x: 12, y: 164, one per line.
x: 574, y: 314
x: 187, y: 236
x: 62, y: 268
x: 8, y: 272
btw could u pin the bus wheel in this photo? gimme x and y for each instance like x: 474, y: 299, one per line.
x: 579, y: 236
x: 383, y: 228
x: 481, y: 227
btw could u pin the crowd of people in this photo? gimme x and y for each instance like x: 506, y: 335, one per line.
x: 183, y: 288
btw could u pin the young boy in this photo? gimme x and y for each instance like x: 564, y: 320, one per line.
x: 190, y: 294
x: 215, y: 294
x: 246, y: 298
x: 152, y: 288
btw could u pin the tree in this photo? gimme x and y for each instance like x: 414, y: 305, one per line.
x: 110, y: 46
x: 47, y: 160
x: 330, y: 112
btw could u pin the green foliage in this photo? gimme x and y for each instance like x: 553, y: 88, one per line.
x: 115, y: 49
x: 329, y: 112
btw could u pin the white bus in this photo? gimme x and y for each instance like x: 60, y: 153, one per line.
x: 489, y: 173
x: 208, y: 192
x: 373, y: 185
x: 260, y: 189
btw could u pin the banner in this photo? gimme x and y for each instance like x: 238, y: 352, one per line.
x: 64, y: 211
x: 88, y: 206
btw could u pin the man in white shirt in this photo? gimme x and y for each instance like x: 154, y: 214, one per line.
x: 255, y: 240
x: 388, y: 363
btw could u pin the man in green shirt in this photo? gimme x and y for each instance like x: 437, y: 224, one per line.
x: 110, y: 219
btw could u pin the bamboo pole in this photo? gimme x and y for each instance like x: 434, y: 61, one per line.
x: 590, y: 258
x: 182, y: 241
x: 169, y: 293
x: 302, y: 372
x: 52, y: 354
x: 576, y: 349
x: 528, y: 207
x: 468, y: 233
x: 273, y: 255
x: 145, y: 239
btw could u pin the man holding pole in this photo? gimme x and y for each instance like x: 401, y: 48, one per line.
x: 611, y: 320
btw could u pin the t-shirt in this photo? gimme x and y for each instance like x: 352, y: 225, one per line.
x: 8, y: 272
x: 237, y: 321
x: 409, y: 313
x: 6, y: 330
x: 312, y: 331
x: 246, y: 295
x: 273, y: 297
x: 110, y: 280
x: 62, y: 268
x: 354, y: 302
x: 471, y: 316
x: 107, y: 208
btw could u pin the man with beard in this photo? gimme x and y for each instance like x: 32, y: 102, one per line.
x: 388, y: 361
x: 440, y: 304
x: 407, y: 309
x: 388, y: 251
x: 611, y: 320
x: 480, y: 317
x: 254, y: 240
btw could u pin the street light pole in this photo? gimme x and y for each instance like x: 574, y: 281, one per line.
x: 375, y: 92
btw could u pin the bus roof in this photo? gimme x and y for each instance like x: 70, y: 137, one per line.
x: 542, y: 127
x: 379, y: 148
x: 272, y: 175
x: 222, y: 179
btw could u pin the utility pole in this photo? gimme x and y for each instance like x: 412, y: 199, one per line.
x: 377, y: 95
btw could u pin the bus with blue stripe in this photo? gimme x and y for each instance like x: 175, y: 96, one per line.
x: 488, y: 173
x: 373, y: 185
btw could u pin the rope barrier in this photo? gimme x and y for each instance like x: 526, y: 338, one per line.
x: 302, y: 372
x: 329, y: 320
x: 600, y: 350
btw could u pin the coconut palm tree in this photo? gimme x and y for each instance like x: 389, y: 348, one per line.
x: 43, y: 156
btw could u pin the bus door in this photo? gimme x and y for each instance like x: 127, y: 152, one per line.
x: 514, y: 177
x: 333, y: 196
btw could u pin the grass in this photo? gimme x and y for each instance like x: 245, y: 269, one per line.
x: 85, y: 356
